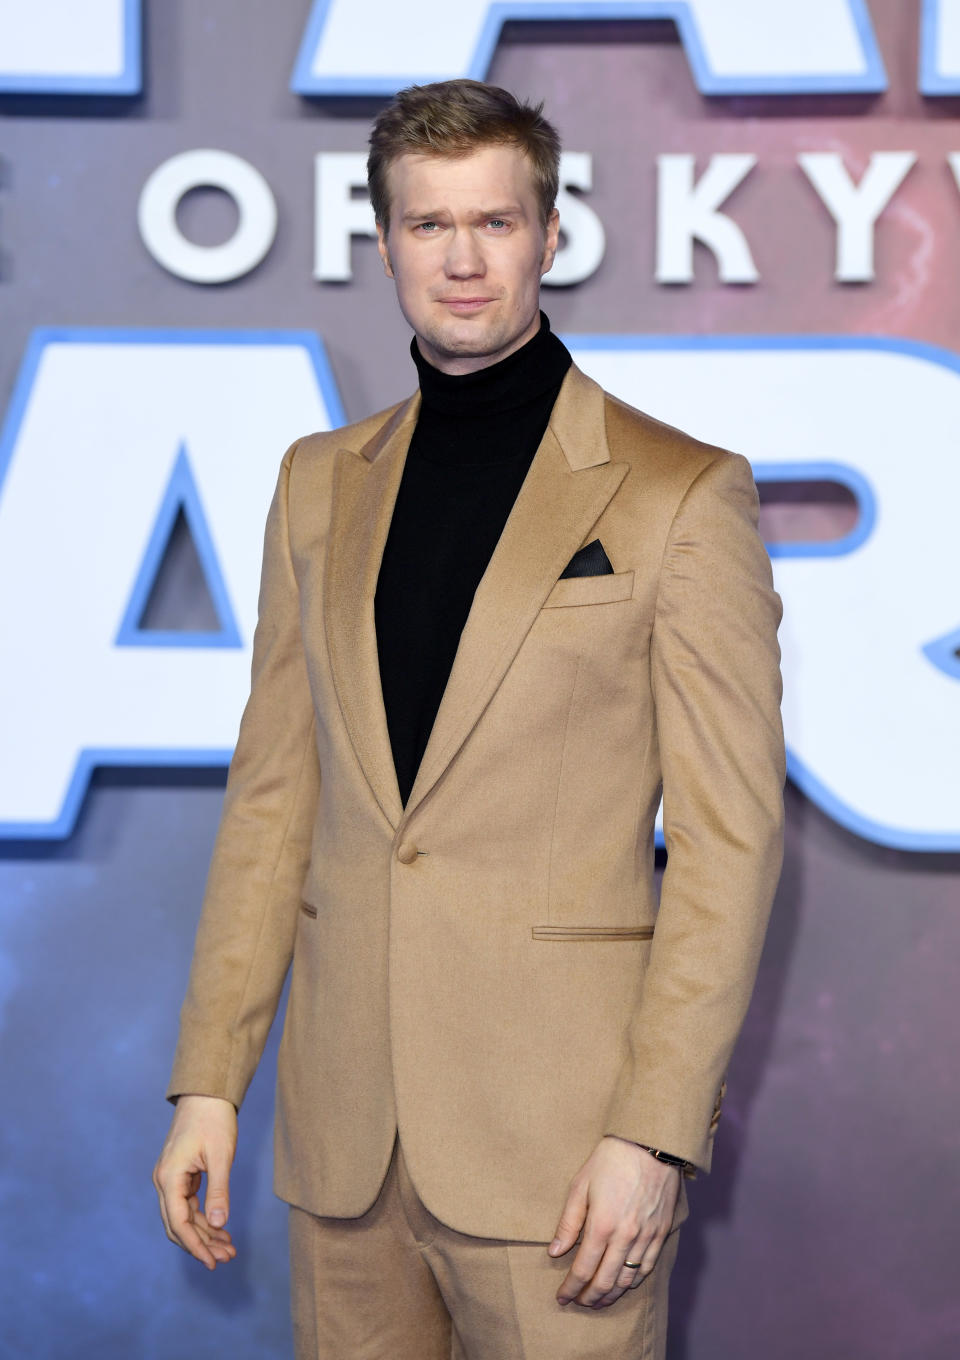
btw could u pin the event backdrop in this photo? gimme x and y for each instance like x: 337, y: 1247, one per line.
x: 762, y: 244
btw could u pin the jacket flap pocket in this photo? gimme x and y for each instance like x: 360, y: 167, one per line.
x: 592, y: 932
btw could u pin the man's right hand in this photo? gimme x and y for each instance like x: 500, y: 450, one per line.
x: 202, y: 1138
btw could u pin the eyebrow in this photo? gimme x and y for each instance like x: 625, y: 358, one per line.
x: 512, y: 210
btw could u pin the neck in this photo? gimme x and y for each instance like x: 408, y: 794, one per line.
x: 521, y: 377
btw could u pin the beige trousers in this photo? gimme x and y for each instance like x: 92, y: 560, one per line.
x: 397, y: 1284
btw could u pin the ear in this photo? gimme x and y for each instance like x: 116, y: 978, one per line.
x: 384, y: 252
x: 551, y: 242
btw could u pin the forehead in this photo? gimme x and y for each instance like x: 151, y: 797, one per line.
x: 488, y: 177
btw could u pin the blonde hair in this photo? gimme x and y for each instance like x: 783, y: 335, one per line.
x: 453, y: 118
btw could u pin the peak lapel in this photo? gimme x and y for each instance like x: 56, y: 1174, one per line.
x: 365, y: 491
x: 569, y: 482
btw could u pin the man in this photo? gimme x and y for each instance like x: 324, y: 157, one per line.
x: 494, y: 621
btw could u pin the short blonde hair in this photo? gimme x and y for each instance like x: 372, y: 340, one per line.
x: 452, y: 118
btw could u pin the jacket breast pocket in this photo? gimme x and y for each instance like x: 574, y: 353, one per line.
x: 606, y: 589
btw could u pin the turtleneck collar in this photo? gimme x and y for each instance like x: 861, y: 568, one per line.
x: 522, y: 377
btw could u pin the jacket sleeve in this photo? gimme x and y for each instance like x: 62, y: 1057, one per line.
x: 261, y: 854
x: 717, y: 690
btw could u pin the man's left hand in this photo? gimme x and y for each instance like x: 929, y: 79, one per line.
x: 624, y: 1199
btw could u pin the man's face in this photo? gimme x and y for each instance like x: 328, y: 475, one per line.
x: 466, y: 249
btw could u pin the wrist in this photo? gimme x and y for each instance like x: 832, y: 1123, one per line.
x: 195, y: 1100
x: 666, y: 1157
x: 659, y: 1154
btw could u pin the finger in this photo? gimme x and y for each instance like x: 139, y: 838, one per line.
x: 635, y: 1273
x: 571, y: 1220
x: 163, y: 1212
x: 632, y: 1279
x: 584, y: 1265
x: 165, y: 1180
x: 217, y: 1203
x: 211, y: 1235
x: 200, y: 1221
x: 217, y: 1240
x: 181, y: 1228
x: 186, y: 1235
x: 607, y: 1299
x: 170, y: 1186
x: 647, y: 1253
x: 220, y: 1251
x: 156, y: 1185
x: 606, y: 1277
x: 223, y: 1251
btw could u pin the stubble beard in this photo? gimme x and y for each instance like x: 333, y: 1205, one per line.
x: 480, y: 342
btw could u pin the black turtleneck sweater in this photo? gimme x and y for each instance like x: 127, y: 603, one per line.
x: 473, y: 443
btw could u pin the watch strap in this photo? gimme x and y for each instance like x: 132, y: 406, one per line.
x: 666, y: 1157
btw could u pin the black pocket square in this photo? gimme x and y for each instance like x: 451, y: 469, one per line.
x: 590, y: 560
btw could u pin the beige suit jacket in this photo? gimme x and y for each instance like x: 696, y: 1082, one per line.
x: 486, y: 968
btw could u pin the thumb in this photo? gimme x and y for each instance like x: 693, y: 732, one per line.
x: 571, y: 1221
x: 217, y: 1205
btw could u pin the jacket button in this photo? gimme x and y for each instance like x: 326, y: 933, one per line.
x: 406, y: 852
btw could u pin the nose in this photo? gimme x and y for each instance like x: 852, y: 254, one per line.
x: 464, y: 256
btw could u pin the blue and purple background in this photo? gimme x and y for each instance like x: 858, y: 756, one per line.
x: 829, y: 1226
